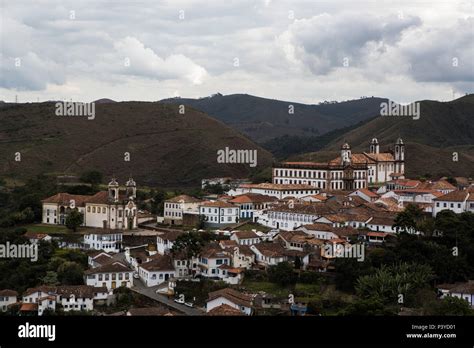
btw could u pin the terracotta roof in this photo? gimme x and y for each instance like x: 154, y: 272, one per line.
x: 292, y: 236
x: 212, y: 252
x: 380, y: 157
x: 278, y: 187
x: 109, y: 268
x: 319, y: 226
x: 227, y: 243
x: 224, y: 310
x: 253, y: 198
x: 159, y: 263
x: 270, y: 249
x: 377, y: 234
x: 29, y: 307
x: 316, y: 208
x: 34, y: 235
x: 245, y: 234
x: 406, y: 182
x: 233, y: 296
x: 83, y: 291
x: 217, y: 204
x: 319, y: 197
x: 170, y: 235
x: 8, y: 293
x: 382, y: 221
x: 367, y: 192
x: 184, y: 199
x: 454, y: 196
x: 66, y: 198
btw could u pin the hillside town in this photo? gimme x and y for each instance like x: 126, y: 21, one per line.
x: 205, y: 255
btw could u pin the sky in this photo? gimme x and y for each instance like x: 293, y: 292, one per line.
x: 301, y: 51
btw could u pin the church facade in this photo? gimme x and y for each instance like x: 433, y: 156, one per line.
x: 349, y: 171
x: 113, y: 209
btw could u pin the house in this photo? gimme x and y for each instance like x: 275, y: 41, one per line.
x: 269, y: 254
x: 103, y: 239
x: 176, y: 207
x: 210, y: 259
x: 279, y: 191
x: 69, y: 297
x: 7, y: 297
x: 114, y: 208
x: 382, y: 224
x: 156, y: 271
x: 376, y: 237
x: 111, y: 276
x: 288, y: 217
x: 365, y: 194
x: 225, y: 310
x: 233, y: 298
x: 456, y: 201
x: 218, y: 213
x: 314, y: 198
x: 250, y: 203
x: 99, y: 258
x: 165, y: 241
x: 231, y: 275
x: 245, y: 237
x: 38, y: 237
x: 463, y: 290
x: 326, y: 231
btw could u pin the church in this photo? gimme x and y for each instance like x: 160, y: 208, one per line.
x: 113, y: 209
x: 349, y: 171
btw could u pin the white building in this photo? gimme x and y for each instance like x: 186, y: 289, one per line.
x: 69, y: 297
x: 245, y: 237
x: 103, y: 239
x: 365, y: 194
x: 348, y: 171
x: 156, y: 271
x: 456, y: 201
x: 110, y: 276
x: 165, y: 241
x: 210, y: 259
x: 277, y: 190
x: 252, y: 203
x: 218, y: 213
x: 232, y: 298
x: 114, y: 208
x: 464, y: 291
x: 176, y: 207
x: 269, y: 254
x: 7, y: 297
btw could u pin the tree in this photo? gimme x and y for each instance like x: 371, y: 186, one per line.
x: 51, y: 278
x: 282, y: 274
x: 389, y: 282
x: 70, y: 273
x: 93, y: 177
x: 408, y: 220
x: 74, y: 220
x: 451, y: 305
x: 190, y: 243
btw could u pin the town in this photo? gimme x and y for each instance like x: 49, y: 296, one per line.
x: 330, y: 238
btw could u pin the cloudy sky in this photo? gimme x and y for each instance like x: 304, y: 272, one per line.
x: 305, y: 51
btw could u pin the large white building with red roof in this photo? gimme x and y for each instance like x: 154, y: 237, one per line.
x: 349, y: 171
x: 113, y: 209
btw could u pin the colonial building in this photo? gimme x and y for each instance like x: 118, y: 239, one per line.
x: 114, y: 208
x: 175, y: 208
x: 349, y: 171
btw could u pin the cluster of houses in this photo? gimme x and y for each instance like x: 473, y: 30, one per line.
x: 309, y: 211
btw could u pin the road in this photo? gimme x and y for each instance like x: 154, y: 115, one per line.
x: 139, y: 287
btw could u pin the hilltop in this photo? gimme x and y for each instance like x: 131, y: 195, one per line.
x: 264, y: 119
x: 166, y: 148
